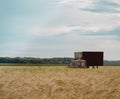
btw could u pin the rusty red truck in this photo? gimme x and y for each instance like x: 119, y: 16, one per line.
x: 91, y: 58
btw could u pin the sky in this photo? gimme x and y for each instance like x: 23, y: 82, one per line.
x: 58, y: 28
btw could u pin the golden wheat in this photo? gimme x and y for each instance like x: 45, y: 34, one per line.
x: 59, y: 83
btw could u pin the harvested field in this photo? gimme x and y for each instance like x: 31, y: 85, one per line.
x: 59, y: 82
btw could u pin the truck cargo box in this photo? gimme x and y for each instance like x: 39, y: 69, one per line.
x: 92, y: 58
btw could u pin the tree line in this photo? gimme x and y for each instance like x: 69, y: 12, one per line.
x: 112, y: 63
x: 30, y: 60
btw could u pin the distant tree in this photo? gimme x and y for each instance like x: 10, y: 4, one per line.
x: 31, y: 60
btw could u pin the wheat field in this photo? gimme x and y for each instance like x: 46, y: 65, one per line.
x: 59, y: 82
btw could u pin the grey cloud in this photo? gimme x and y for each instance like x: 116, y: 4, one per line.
x: 115, y: 33
x: 104, y: 6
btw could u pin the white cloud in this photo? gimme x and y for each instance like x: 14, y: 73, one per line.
x: 77, y: 3
x: 87, y: 22
x: 115, y: 1
x: 70, y: 18
x: 47, y: 31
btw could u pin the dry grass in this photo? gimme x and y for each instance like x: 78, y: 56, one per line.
x: 59, y: 83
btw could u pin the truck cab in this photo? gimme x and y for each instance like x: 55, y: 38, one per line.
x: 78, y: 63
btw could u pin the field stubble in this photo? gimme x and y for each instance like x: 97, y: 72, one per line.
x: 57, y: 82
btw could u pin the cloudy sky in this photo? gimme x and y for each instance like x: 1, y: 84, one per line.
x: 58, y: 28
